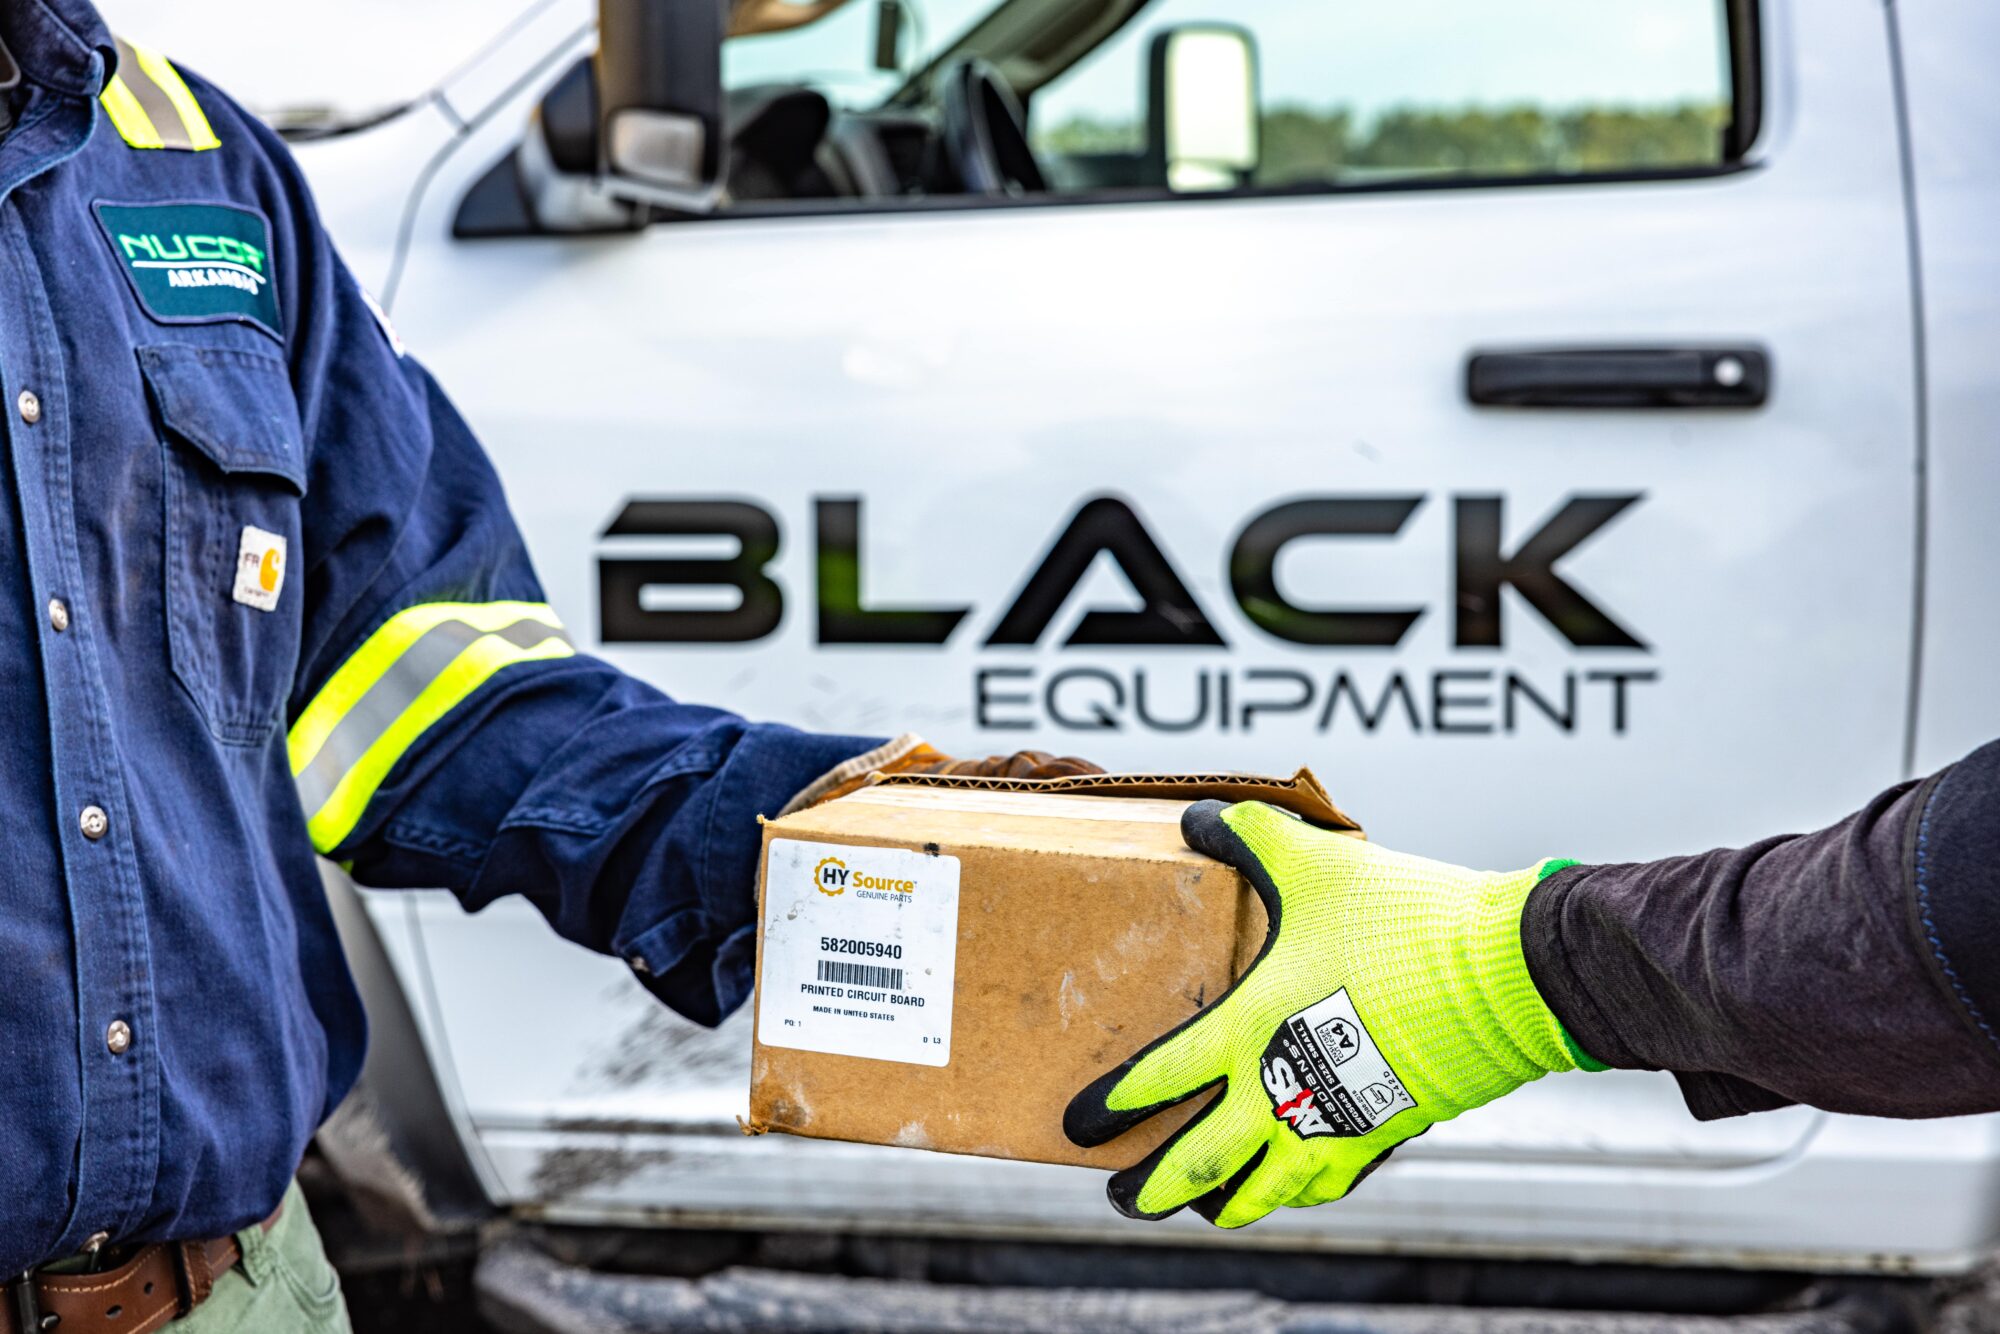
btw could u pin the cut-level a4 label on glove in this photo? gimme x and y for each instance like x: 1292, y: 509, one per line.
x: 860, y: 951
x: 1325, y: 1076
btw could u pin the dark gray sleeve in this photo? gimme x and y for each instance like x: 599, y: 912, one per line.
x: 1855, y: 969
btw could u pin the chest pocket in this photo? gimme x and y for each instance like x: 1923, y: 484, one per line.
x: 233, y: 470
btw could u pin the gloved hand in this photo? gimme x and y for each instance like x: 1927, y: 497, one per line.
x: 911, y: 754
x: 1391, y: 994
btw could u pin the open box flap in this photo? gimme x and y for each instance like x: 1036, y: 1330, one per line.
x: 1302, y: 793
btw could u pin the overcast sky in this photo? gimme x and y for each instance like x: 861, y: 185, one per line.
x: 359, y: 55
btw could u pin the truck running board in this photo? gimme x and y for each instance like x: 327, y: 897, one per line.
x: 521, y: 1290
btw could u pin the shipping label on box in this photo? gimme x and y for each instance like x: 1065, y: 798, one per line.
x: 860, y: 951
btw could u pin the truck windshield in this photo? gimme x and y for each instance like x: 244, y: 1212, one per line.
x: 836, y: 54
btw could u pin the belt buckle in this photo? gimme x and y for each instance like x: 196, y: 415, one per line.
x: 27, y: 1307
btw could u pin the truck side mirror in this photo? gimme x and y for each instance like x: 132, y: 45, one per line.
x: 659, y: 101
x: 1201, y: 106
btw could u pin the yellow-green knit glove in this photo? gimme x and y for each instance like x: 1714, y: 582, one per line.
x: 1391, y: 994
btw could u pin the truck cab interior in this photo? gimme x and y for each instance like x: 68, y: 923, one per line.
x: 924, y: 111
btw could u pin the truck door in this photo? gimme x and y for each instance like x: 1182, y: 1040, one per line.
x: 1192, y: 477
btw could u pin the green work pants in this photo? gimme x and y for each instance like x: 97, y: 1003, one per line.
x: 283, y: 1284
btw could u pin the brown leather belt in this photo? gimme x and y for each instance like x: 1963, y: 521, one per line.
x: 160, y: 1283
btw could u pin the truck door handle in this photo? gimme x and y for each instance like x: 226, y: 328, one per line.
x: 1725, y: 376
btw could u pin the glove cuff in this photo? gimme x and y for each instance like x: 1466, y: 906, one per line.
x: 848, y: 775
x: 1493, y: 953
x: 1584, y: 1060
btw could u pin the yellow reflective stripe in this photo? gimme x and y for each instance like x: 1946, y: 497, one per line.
x: 336, y: 819
x: 387, y: 696
x: 134, y: 126
x: 151, y: 105
x: 368, y: 663
x: 199, y: 132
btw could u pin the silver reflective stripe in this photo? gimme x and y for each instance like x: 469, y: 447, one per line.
x: 159, y: 108
x: 397, y: 688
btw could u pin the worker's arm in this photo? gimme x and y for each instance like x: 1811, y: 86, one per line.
x: 444, y: 730
x: 1855, y: 969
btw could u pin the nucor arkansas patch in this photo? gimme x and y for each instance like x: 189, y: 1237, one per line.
x: 195, y: 263
x: 1325, y: 1076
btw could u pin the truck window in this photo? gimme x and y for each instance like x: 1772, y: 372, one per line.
x: 1351, y: 94
x: 875, y: 105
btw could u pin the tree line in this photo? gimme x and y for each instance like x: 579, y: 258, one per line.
x: 1303, y: 144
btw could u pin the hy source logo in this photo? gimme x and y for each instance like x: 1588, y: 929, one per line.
x: 830, y: 877
x: 833, y: 877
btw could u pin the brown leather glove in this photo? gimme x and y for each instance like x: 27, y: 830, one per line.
x: 1021, y: 764
x: 910, y: 755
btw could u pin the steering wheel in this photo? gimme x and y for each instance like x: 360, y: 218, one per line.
x: 985, y: 134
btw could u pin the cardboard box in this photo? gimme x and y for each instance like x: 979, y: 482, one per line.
x: 942, y: 963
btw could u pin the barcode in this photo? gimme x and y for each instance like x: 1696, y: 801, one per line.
x: 847, y: 974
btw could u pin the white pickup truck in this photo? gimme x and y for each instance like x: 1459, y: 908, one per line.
x: 1096, y: 375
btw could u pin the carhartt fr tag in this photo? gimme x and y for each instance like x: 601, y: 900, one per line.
x: 260, y: 568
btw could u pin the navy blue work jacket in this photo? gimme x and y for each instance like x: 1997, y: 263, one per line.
x: 262, y: 595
